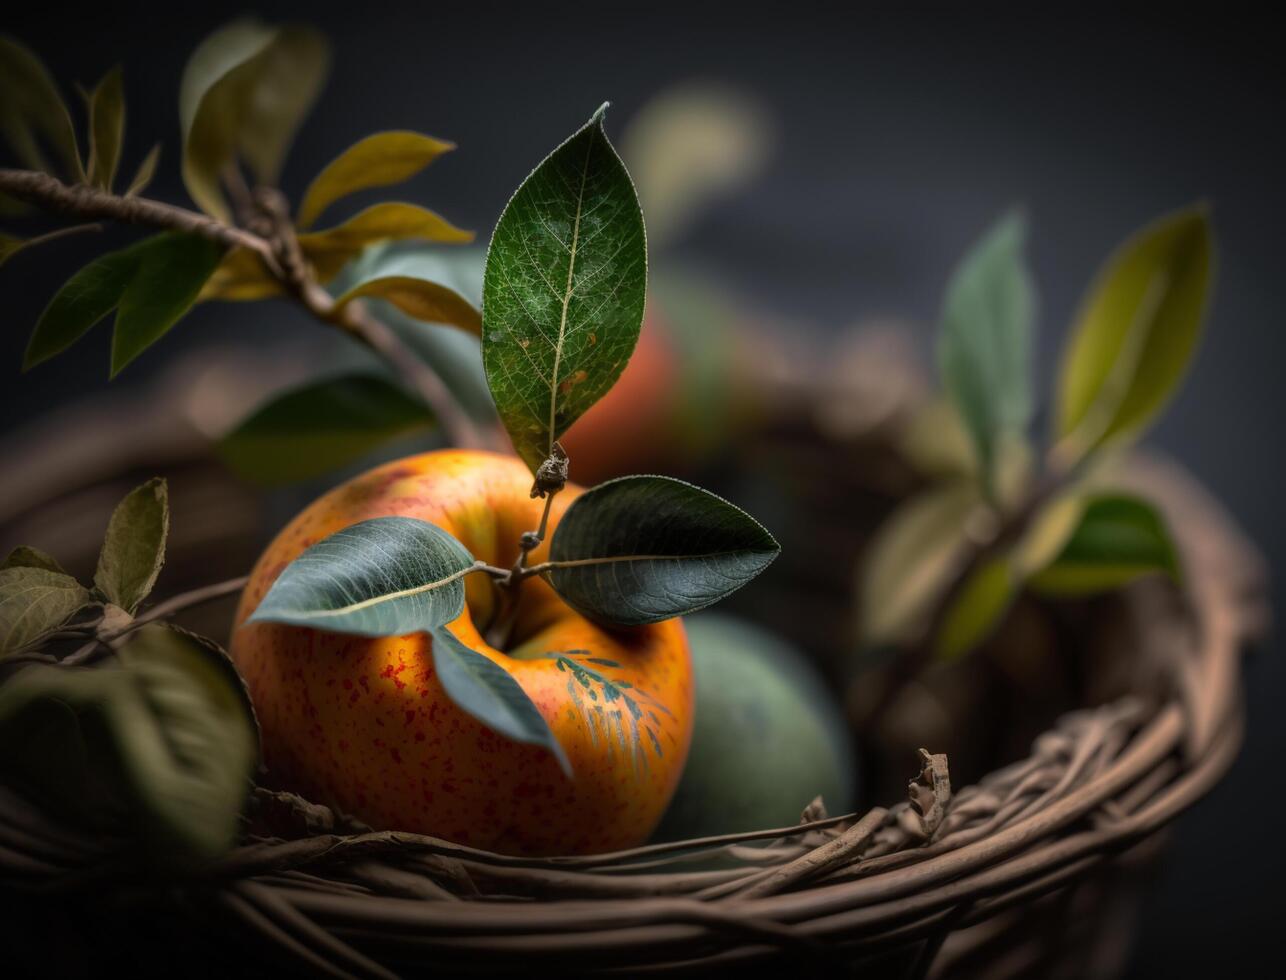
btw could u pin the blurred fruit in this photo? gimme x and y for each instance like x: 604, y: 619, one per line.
x: 364, y: 723
x: 768, y: 737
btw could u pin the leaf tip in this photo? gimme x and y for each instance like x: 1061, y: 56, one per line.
x: 600, y: 114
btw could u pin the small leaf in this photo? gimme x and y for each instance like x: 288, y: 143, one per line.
x: 1119, y: 539
x: 134, y: 546
x: 10, y: 246
x: 1135, y: 334
x: 245, y: 90
x: 399, y: 280
x: 563, y: 291
x: 106, y: 129
x: 32, y: 110
x: 146, y: 171
x: 641, y: 549
x: 378, y: 160
x: 321, y: 426
x: 488, y: 692
x: 240, y: 276
x: 984, y: 342
x: 151, y: 285
x: 161, y: 746
x: 329, y: 250
x: 24, y: 556
x: 35, y: 601
x: 387, y: 576
x: 978, y: 609
x: 912, y: 560
x: 1048, y: 532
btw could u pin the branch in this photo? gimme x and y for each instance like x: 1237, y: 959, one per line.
x: 280, y: 254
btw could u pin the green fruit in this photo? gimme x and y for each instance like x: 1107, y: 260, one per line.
x: 768, y: 736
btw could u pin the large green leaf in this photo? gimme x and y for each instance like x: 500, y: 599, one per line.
x: 151, y: 285
x: 245, y: 90
x: 1135, y: 334
x: 387, y: 576
x: 985, y: 341
x: 134, y: 547
x: 1119, y: 538
x: 563, y: 291
x: 321, y: 426
x: 331, y: 249
x: 160, y: 747
x: 378, y: 160
x: 405, y: 280
x: 25, y: 556
x: 106, y: 129
x: 978, y: 609
x: 489, y: 693
x: 32, y: 111
x: 913, y: 559
x: 641, y: 549
x: 35, y: 601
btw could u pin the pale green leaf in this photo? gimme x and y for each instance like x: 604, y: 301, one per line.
x: 134, y: 547
x: 35, y: 601
x: 387, y: 576
x: 641, y: 549
x: 146, y: 171
x: 151, y: 285
x: 106, y: 129
x: 321, y: 426
x: 245, y: 90
x: 489, y: 693
x: 25, y: 556
x: 32, y: 112
x: 331, y: 249
x: 985, y: 341
x: 378, y: 160
x: 913, y: 559
x: 1135, y: 334
x: 564, y: 289
x: 161, y: 747
x: 978, y: 609
x: 1119, y: 538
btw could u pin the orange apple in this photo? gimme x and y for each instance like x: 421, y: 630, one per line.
x: 364, y: 724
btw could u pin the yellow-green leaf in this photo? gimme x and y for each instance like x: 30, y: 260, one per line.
x: 1048, y: 533
x: 240, y: 276
x: 913, y: 559
x: 32, y: 111
x: 35, y: 601
x: 378, y: 160
x: 405, y: 281
x: 245, y: 90
x: 11, y: 245
x: 1135, y: 334
x: 146, y: 171
x: 331, y: 249
x: 106, y: 129
x: 134, y: 547
x: 978, y: 609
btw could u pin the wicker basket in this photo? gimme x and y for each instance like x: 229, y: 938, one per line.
x: 1030, y: 870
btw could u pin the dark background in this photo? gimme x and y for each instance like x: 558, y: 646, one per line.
x: 903, y: 134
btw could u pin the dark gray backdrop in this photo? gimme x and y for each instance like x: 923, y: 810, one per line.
x: 904, y: 133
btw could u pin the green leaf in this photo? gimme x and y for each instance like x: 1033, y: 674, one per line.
x: 321, y: 426
x: 32, y: 111
x: 134, y: 547
x: 331, y: 249
x: 161, y: 746
x: 24, y: 556
x: 984, y: 341
x: 1119, y: 538
x: 245, y: 91
x: 912, y: 560
x: 106, y: 129
x: 1135, y: 334
x: 405, y: 281
x: 146, y: 171
x: 151, y: 285
x: 35, y: 601
x: 641, y: 549
x: 489, y: 693
x: 10, y: 246
x: 564, y: 289
x: 240, y: 276
x: 378, y: 160
x: 387, y: 576
x: 978, y: 609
